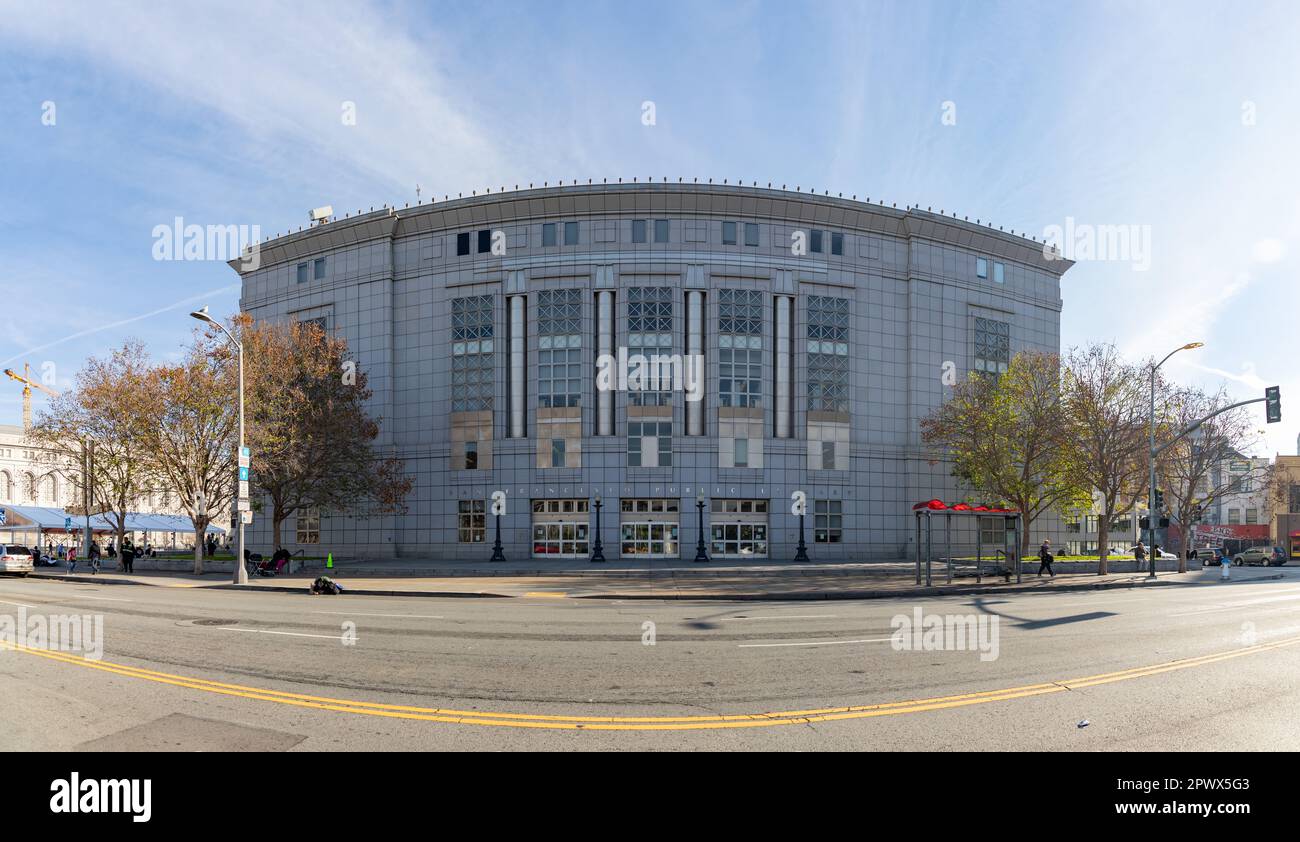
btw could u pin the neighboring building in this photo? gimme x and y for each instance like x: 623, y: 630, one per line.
x: 27, y: 480
x: 1285, y: 504
x: 1246, y: 503
x: 480, y: 320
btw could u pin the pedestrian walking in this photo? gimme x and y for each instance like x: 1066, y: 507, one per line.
x: 1045, y: 558
x: 94, y: 557
x: 72, y: 559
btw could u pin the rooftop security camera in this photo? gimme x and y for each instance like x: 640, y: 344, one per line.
x: 321, y: 215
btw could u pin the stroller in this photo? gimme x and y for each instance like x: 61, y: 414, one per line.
x: 273, y: 566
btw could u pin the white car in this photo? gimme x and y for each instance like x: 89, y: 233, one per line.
x: 15, y: 560
x: 1164, y: 555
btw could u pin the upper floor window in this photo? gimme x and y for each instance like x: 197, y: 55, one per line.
x: 828, y: 354
x: 999, y: 273
x: 992, y: 345
x: 570, y: 233
x: 472, y: 360
x: 751, y: 234
x: 728, y: 233
x: 638, y: 230
x: 485, y: 241
x: 462, y: 244
x: 548, y: 234
x: 559, y: 343
x: 302, y: 273
x: 981, y: 268
x: 650, y: 333
x: 837, y: 244
x: 318, y: 269
x: 740, y: 347
x: 815, y: 244
x: 661, y: 230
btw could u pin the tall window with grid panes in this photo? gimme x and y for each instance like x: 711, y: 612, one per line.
x: 650, y: 334
x: 992, y: 345
x: 473, y: 381
x: 559, y: 378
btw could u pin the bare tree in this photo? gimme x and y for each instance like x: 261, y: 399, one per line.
x: 1188, y: 470
x: 191, y: 425
x: 97, y: 410
x: 1105, y: 412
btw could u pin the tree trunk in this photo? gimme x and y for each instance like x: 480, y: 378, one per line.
x: 277, y: 521
x: 1103, y: 546
x: 200, y: 532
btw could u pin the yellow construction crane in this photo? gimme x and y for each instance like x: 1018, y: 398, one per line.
x: 26, y: 379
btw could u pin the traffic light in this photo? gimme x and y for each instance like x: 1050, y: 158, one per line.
x: 1273, y: 404
x: 1144, y: 522
x: 1160, y: 500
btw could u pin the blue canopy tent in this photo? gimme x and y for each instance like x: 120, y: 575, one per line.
x: 33, y: 521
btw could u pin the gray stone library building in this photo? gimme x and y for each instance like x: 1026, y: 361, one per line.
x: 506, y: 337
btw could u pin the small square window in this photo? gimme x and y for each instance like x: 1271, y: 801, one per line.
x: 981, y: 268
x: 837, y: 244
x: 462, y: 244
x: 302, y: 273
x: 661, y: 230
x: 999, y: 273
x: 751, y: 234
x: 570, y: 233
x: 815, y: 242
x: 638, y: 231
x: 728, y: 233
x: 548, y: 234
x: 484, y: 241
x: 318, y: 269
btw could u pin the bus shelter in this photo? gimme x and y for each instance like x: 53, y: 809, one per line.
x: 955, y: 537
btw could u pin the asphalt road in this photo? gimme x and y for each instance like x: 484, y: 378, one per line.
x: 1212, y: 666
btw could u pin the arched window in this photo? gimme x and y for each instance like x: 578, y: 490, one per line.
x: 29, y: 487
x: 53, y: 486
x: 6, y: 487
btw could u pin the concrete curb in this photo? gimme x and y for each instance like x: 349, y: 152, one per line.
x: 753, y: 596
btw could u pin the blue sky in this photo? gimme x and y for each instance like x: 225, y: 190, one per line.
x: 1180, y: 117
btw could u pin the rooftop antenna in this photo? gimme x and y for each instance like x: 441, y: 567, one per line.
x: 417, y: 194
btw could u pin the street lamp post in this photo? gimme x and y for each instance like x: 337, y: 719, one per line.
x: 241, y: 574
x: 700, y: 553
x: 1152, y: 514
x: 597, y: 551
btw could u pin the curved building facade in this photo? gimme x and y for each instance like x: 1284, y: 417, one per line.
x: 511, y: 341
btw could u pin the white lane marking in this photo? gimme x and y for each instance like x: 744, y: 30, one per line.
x: 1230, y: 606
x: 786, y: 617
x: 813, y: 643
x: 19, y: 604
x: 101, y: 598
x: 291, y: 634
x: 359, y: 614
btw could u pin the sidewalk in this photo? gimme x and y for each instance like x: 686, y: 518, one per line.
x: 741, y: 584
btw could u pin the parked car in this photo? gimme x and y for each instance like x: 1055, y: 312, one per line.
x: 15, y: 560
x: 1260, y: 556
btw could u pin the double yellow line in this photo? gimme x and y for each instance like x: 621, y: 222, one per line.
x: 644, y: 723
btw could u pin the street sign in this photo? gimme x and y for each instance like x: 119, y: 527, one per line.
x: 244, y: 452
x: 247, y: 517
x: 243, y: 474
x: 81, y: 511
x: 4, y: 517
x: 243, y: 490
x: 244, y: 506
x: 67, y: 524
